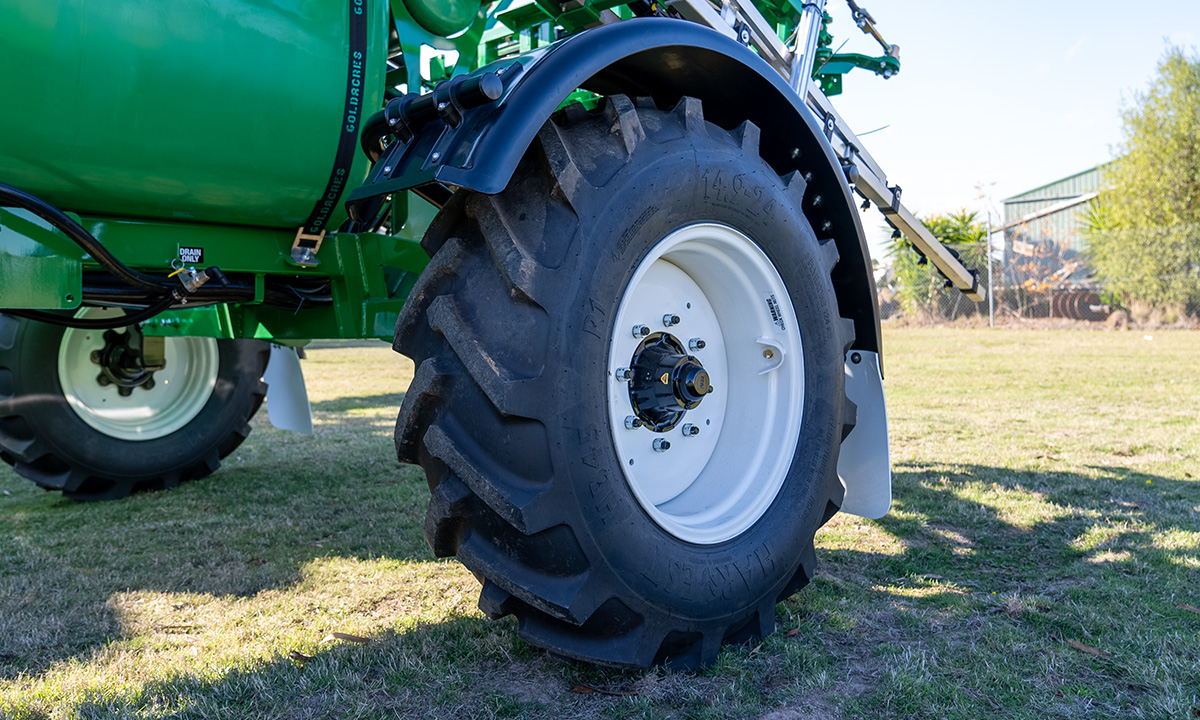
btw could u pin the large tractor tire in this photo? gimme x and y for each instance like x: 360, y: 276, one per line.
x: 77, y: 416
x: 629, y: 393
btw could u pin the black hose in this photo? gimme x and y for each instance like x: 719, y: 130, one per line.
x: 105, y: 324
x: 82, y: 238
x: 158, y: 294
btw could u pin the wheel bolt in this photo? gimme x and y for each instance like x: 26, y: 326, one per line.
x: 696, y: 344
x: 632, y: 422
x: 640, y: 331
x: 670, y: 320
x: 148, y: 384
x: 103, y: 379
x: 125, y: 391
x: 96, y: 356
x: 625, y: 374
x: 661, y: 445
x: 690, y: 430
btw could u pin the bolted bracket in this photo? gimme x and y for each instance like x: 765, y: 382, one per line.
x: 305, y: 248
x: 773, y: 353
x: 154, y: 356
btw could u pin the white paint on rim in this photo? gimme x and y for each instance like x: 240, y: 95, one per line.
x: 714, y: 486
x: 181, y: 389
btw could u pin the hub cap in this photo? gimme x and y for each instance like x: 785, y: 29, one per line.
x: 110, y: 393
x: 706, y: 392
x: 666, y: 382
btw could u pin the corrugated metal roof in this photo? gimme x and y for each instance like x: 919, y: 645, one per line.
x: 1062, y: 227
x: 1080, y: 182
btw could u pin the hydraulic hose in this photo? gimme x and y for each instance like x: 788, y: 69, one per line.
x: 156, y: 294
x: 10, y: 195
x: 105, y: 324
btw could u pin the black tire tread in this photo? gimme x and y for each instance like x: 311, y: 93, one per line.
x: 497, y: 513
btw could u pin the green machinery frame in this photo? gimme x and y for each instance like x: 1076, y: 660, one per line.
x: 370, y: 274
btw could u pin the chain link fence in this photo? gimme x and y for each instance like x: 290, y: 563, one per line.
x: 1028, y: 281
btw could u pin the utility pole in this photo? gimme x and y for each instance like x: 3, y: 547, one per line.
x: 991, y: 288
x: 985, y: 194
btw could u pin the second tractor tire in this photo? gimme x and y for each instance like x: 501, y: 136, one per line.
x: 64, y: 431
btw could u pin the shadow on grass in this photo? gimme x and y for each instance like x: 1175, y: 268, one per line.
x: 1008, y: 530
x: 253, y: 528
x: 279, y: 503
x: 341, y: 404
x: 1006, y: 568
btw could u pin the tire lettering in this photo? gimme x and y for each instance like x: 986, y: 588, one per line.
x: 633, y: 229
x: 593, y: 319
x: 735, y: 193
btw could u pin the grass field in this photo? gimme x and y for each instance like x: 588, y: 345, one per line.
x: 1042, y: 559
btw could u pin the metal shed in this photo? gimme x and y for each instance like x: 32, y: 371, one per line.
x: 1051, y: 212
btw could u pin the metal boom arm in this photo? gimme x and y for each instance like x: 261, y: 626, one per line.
x: 863, y: 173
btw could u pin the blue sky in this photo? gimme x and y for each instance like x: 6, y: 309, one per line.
x: 1010, y: 95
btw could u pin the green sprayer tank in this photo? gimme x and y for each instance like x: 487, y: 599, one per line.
x: 184, y: 110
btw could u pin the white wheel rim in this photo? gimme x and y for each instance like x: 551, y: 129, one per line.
x: 181, y: 389
x: 713, y: 486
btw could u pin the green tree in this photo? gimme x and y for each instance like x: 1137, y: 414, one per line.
x: 919, y: 287
x: 1144, y: 235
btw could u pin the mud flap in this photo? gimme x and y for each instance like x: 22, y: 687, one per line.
x: 287, y: 398
x: 864, y: 463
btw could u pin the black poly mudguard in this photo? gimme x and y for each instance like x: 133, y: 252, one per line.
x: 666, y: 59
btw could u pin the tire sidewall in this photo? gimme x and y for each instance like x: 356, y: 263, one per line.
x: 686, y: 182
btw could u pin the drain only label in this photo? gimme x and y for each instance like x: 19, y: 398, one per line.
x: 191, y: 255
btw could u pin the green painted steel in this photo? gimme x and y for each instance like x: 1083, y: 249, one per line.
x: 212, y: 125
x: 443, y: 17
x: 224, y: 111
x: 40, y: 268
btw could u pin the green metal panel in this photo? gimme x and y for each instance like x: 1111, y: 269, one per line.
x: 443, y: 17
x: 222, y: 111
x: 39, y: 267
x: 370, y: 274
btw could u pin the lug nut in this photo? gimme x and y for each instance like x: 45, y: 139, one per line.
x: 670, y: 320
x: 640, y: 331
x: 661, y: 445
x: 96, y: 356
x: 632, y: 422
x: 148, y: 384
x: 690, y: 430
x: 125, y: 391
x: 696, y: 344
x: 103, y: 380
x: 625, y: 374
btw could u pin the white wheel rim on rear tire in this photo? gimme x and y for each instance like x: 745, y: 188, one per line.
x: 714, y: 486
x: 181, y: 389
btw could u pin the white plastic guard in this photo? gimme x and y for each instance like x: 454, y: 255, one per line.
x: 287, y: 398
x: 864, y: 463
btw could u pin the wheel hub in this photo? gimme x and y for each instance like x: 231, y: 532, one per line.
x: 706, y: 393
x: 122, y: 364
x: 99, y: 371
x: 666, y: 382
